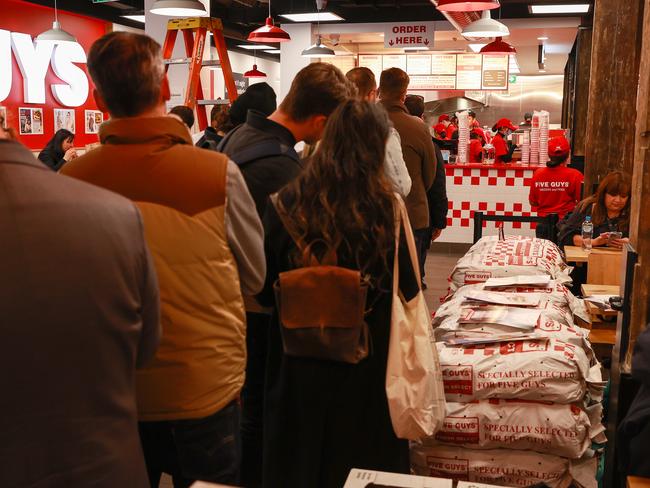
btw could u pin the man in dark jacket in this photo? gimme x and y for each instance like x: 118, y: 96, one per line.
x: 264, y: 150
x: 419, y: 154
x: 437, y: 194
x: 79, y: 312
x: 634, y: 430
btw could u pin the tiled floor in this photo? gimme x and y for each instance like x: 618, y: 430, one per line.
x: 439, y: 264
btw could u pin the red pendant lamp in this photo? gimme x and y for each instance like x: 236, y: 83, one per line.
x: 269, y: 32
x: 498, y: 46
x: 466, y: 5
x: 254, y: 73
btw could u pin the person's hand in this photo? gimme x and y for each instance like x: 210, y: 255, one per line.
x: 601, y: 240
x: 619, y: 243
x: 435, y: 234
x: 70, y: 154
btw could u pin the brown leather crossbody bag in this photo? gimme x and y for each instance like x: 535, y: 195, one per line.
x: 321, y: 306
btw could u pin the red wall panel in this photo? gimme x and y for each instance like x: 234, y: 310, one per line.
x: 28, y: 18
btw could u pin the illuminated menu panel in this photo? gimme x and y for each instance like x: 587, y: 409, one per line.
x: 443, y: 64
x: 468, y: 71
x: 344, y: 63
x: 418, y: 64
x: 394, y: 61
x: 495, y: 72
x: 432, y: 82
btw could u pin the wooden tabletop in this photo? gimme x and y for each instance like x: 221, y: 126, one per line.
x: 588, y: 290
x: 575, y: 254
x: 637, y: 482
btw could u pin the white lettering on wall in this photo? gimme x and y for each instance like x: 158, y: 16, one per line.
x: 75, y: 92
x: 33, y: 61
x: 5, y: 64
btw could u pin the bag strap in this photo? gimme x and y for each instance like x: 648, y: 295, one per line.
x: 402, y: 222
x: 309, y: 259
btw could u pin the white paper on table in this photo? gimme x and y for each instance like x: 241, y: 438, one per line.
x: 601, y: 301
x: 360, y: 478
x: 541, y: 281
x: 513, y: 299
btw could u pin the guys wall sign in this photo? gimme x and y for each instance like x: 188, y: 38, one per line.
x: 33, y: 59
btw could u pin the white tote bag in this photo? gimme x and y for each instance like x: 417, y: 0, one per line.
x: 416, y: 396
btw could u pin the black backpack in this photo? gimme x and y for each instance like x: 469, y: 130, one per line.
x: 261, y: 150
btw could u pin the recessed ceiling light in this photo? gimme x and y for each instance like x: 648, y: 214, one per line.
x: 137, y: 18
x: 575, y: 8
x: 313, y: 17
x: 476, y: 47
x: 258, y: 47
x: 542, y: 71
x: 542, y: 38
x: 273, y: 51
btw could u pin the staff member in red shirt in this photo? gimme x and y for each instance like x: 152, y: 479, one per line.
x: 475, y: 147
x: 556, y: 188
x: 503, y: 154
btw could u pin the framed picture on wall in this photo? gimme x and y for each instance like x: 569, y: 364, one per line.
x: 93, y: 119
x: 64, y: 119
x: 37, y: 121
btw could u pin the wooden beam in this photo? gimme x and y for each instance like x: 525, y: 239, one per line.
x: 613, y: 81
x: 640, y: 218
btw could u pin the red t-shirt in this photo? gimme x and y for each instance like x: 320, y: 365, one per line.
x: 500, y: 148
x: 555, y: 190
x: 451, y: 128
x: 475, y: 151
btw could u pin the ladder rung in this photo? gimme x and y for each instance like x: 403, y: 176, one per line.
x: 207, y: 62
x: 213, y: 102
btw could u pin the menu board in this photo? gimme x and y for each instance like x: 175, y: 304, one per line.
x: 443, y: 64
x: 432, y: 82
x: 344, y: 63
x: 444, y: 71
x: 373, y: 62
x: 468, y: 71
x: 495, y: 72
x: 418, y: 64
x: 394, y: 61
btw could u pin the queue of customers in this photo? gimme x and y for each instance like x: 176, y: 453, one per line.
x: 137, y: 284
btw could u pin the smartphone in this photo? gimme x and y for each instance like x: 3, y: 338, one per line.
x: 612, y: 236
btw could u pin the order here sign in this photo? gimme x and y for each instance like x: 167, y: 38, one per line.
x: 409, y: 34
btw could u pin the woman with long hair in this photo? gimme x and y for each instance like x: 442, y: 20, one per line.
x: 59, y: 150
x: 609, y: 209
x: 323, y: 417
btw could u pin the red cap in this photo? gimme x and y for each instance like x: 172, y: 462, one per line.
x: 504, y: 123
x: 440, y: 128
x: 443, y: 117
x: 558, y: 146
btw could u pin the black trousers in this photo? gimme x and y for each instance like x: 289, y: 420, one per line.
x: 545, y: 231
x: 206, y: 449
x: 422, y: 238
x: 252, y: 395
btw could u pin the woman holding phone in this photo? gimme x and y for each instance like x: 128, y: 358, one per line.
x: 609, y: 209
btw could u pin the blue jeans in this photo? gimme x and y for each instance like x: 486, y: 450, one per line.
x: 206, y: 449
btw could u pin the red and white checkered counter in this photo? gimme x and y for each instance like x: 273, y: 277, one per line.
x: 492, y: 189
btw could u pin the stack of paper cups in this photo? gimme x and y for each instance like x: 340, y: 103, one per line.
x: 463, y: 137
x: 534, y: 139
x: 544, y: 118
x: 525, y: 148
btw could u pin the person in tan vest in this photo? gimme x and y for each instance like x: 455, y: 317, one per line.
x: 207, y: 243
x: 417, y: 149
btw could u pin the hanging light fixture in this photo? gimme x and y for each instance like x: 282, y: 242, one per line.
x: 178, y: 8
x: 56, y: 35
x: 498, y: 46
x: 318, y: 50
x: 466, y: 5
x: 254, y: 73
x: 486, y: 26
x: 269, y: 32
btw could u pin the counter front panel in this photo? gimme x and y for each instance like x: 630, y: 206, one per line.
x: 496, y: 189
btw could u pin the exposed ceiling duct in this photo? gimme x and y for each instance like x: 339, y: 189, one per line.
x: 459, y: 20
